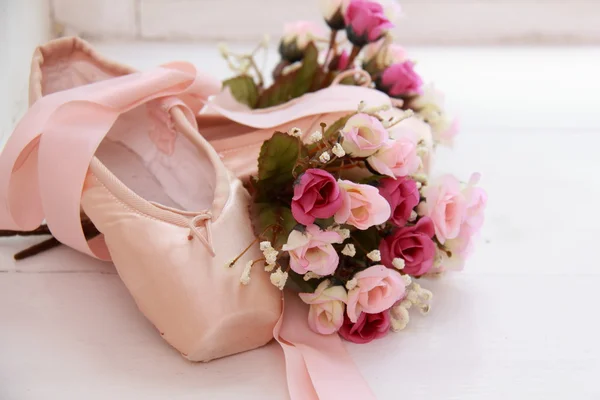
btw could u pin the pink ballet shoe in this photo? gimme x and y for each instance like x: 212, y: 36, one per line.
x: 235, y: 131
x: 126, y: 152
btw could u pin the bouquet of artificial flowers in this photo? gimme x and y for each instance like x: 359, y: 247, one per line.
x: 348, y: 215
x: 348, y: 218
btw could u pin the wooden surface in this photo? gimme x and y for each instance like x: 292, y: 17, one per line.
x: 519, y: 323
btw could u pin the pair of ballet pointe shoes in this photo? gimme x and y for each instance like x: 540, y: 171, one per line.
x: 153, y: 160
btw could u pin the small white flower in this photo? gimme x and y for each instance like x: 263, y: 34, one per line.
x: 338, y: 150
x: 344, y: 233
x: 245, y: 278
x: 271, y: 255
x: 413, y: 216
x: 361, y: 105
x: 315, y: 137
x: 400, y: 318
x: 406, y: 304
x: 279, y: 278
x: 374, y: 255
x: 398, y: 263
x: 407, y: 280
x: 324, y: 157
x: 265, y: 245
x: 223, y: 49
x: 295, y: 132
x: 424, y: 308
x: 351, y: 284
x: 311, y: 275
x: 270, y: 267
x: 426, y: 295
x: 349, y: 250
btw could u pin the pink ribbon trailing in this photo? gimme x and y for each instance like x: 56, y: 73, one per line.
x: 318, y: 367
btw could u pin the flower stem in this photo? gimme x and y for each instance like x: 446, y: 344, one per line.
x: 353, y: 55
x: 331, y: 46
x: 232, y: 263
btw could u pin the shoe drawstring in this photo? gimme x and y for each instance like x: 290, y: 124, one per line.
x: 202, y: 219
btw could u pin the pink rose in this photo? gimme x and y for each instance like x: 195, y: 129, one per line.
x: 445, y: 205
x: 396, y: 158
x: 368, y: 327
x: 365, y: 22
x: 326, y: 314
x: 311, y: 250
x: 362, y: 206
x: 402, y: 195
x: 476, y: 200
x: 461, y: 247
x: 316, y: 195
x: 400, y: 79
x: 413, y: 244
x: 377, y: 289
x: 363, y: 135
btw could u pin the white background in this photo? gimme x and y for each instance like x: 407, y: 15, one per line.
x: 519, y: 323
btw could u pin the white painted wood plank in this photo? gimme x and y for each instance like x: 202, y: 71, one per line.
x: 504, y: 88
x: 427, y: 22
x: 97, y: 18
x: 505, y: 336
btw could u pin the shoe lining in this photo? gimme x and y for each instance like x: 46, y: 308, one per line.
x: 176, y: 174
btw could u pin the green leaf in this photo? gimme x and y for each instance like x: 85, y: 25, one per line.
x: 306, y: 73
x: 277, y: 159
x: 333, y: 129
x: 277, y: 216
x: 307, y: 78
x: 243, y: 89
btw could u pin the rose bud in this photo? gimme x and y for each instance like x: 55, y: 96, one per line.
x: 333, y: 12
x: 296, y: 36
x: 400, y: 80
x: 365, y: 22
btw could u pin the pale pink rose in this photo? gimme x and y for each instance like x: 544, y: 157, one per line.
x: 377, y: 289
x: 301, y: 33
x: 311, y: 250
x: 446, y: 206
x: 418, y: 131
x: 363, y: 135
x: 430, y: 105
x: 326, y: 314
x: 412, y: 128
x: 362, y: 206
x: 396, y: 158
x: 431, y: 96
x: 384, y: 56
x: 391, y: 9
x: 460, y: 249
x: 476, y: 200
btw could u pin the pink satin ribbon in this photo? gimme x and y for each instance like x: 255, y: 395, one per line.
x: 317, y: 366
x: 37, y: 182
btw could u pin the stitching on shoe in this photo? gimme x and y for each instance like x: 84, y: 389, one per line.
x: 127, y: 206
